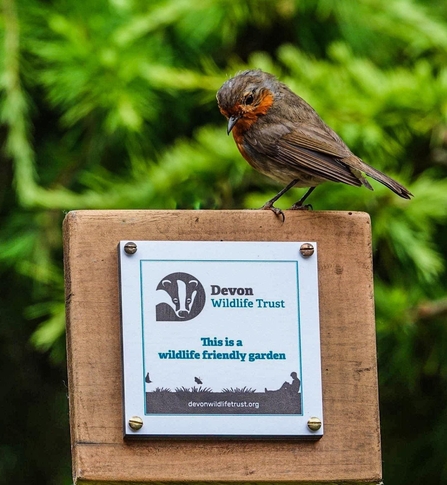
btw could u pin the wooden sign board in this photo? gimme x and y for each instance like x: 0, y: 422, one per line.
x: 349, y: 450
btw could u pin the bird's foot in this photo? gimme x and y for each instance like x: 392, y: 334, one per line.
x: 275, y: 210
x: 298, y: 206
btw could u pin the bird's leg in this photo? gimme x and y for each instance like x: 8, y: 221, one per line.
x: 299, y: 205
x: 269, y: 205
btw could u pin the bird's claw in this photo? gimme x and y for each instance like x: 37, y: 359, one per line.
x: 301, y: 207
x: 275, y: 210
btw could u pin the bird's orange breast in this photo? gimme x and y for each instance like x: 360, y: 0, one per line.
x: 241, y: 148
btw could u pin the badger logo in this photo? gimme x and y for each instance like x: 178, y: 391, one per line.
x: 184, y: 298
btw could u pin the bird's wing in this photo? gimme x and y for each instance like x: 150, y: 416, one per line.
x: 321, y: 141
x: 311, y: 151
x: 317, y: 139
x: 317, y: 164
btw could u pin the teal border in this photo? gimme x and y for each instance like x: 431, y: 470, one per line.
x: 222, y: 261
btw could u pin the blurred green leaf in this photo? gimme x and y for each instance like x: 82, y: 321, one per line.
x: 111, y: 104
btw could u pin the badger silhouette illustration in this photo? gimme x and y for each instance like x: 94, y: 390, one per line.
x: 184, y: 298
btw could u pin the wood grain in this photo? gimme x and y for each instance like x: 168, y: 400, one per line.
x: 349, y: 452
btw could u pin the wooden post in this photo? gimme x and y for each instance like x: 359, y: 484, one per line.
x: 349, y: 451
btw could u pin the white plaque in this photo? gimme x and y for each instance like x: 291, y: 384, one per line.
x: 220, y: 339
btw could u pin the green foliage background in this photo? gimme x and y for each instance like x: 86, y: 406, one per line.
x: 111, y: 104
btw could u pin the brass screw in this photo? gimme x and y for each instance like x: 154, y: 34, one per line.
x: 135, y: 423
x: 306, y: 250
x: 314, y: 424
x: 130, y: 248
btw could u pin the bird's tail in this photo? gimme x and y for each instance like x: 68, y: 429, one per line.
x: 396, y: 187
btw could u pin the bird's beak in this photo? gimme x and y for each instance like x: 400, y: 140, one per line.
x: 232, y: 120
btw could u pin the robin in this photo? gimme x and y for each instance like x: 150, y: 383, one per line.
x: 282, y: 136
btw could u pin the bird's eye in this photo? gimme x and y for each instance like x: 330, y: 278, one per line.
x: 249, y: 99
